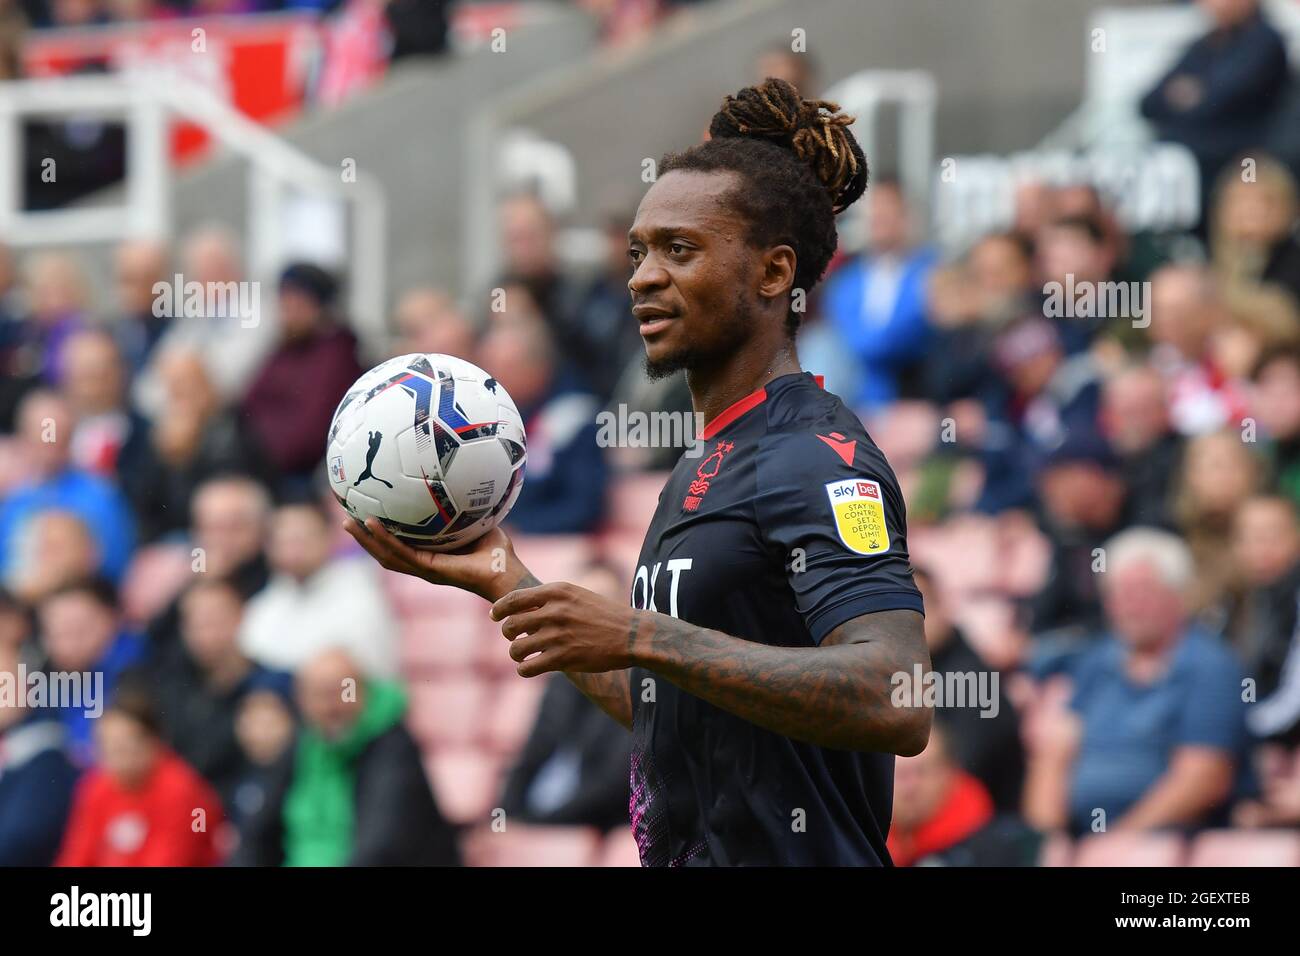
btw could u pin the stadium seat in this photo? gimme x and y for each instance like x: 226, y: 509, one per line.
x: 632, y: 501
x: 155, y: 576
x: 619, y: 849
x: 411, y: 596
x: 523, y: 845
x: 553, y: 557
x: 512, y: 710
x: 466, y: 782
x: 448, y: 711
x: 906, y: 432
x: 1131, y: 849
x: 1246, y: 848
x: 453, y: 641
x: 1055, y: 851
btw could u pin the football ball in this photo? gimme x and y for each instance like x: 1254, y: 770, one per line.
x: 430, y: 445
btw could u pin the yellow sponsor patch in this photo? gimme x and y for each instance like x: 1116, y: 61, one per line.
x: 859, y: 511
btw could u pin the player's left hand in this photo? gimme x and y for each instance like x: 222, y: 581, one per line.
x: 562, y: 627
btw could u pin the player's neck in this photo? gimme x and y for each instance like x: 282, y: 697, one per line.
x: 716, y: 389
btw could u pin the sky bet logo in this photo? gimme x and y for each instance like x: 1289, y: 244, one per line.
x: 860, y: 489
x: 134, y: 910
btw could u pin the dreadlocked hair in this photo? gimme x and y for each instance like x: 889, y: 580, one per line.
x: 800, y: 168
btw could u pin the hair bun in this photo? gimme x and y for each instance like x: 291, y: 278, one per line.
x: 815, y: 130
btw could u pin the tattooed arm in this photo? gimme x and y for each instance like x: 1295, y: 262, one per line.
x: 836, y: 695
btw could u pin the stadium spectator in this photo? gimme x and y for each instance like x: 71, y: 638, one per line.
x: 937, y: 805
x: 1219, y: 472
x: 429, y: 321
x: 1154, y: 731
x: 57, y: 294
x: 1278, y: 804
x: 1266, y: 551
x: 192, y: 438
x: 798, y: 69
x: 1075, y: 260
x: 45, y: 432
x: 351, y: 791
x: 229, y: 520
x: 1185, y: 310
x: 140, y: 266
x: 36, y: 776
x: 1257, y: 320
x: 94, y: 384
x: 56, y: 550
x: 292, y: 399
x: 1082, y: 498
x: 567, y: 474
x: 17, y: 373
x: 603, y: 311
x: 1002, y: 276
x: 201, y: 683
x: 877, y: 301
x: 81, y: 633
x: 1253, y: 235
x: 228, y: 327
x: 573, y: 770
x: 984, y: 743
x: 1135, y: 422
x: 142, y: 805
x: 264, y: 729
x: 1275, y: 404
x: 1222, y: 94
x: 315, y: 602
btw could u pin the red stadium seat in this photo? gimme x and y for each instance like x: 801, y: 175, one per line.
x: 523, y: 845
x: 435, y: 643
x: 554, y: 557
x: 1246, y: 848
x: 619, y: 849
x: 512, y: 710
x: 906, y: 432
x: 632, y: 501
x: 448, y: 711
x: 466, y: 782
x: 1131, y: 849
x: 411, y: 596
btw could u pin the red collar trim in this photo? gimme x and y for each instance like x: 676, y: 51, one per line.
x: 738, y: 408
x: 734, y: 411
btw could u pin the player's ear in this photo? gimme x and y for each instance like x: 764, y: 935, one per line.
x: 778, y: 272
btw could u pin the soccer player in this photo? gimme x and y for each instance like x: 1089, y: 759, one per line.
x: 773, y: 599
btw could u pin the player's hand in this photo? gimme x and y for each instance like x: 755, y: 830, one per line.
x: 487, y: 567
x: 562, y: 627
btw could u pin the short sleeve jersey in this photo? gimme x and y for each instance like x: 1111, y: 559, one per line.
x: 787, y: 523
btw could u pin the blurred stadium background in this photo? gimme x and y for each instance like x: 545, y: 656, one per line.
x: 371, y: 174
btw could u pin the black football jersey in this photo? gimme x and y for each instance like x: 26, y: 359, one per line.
x: 786, y: 524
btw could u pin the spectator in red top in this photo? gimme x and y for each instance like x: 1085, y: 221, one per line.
x: 937, y: 805
x: 142, y: 805
x: 292, y: 398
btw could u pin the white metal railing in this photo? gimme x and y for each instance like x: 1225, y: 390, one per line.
x: 145, y: 99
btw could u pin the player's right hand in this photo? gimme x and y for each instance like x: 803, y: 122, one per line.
x: 487, y: 567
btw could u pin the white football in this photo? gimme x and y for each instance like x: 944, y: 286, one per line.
x: 432, y: 446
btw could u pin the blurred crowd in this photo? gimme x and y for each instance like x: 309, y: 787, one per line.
x: 1103, y: 514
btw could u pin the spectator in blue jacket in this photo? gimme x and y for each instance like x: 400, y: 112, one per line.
x: 1222, y: 95
x: 877, y: 302
x: 564, y: 491
x: 45, y: 429
x: 1154, y: 732
x: 36, y: 776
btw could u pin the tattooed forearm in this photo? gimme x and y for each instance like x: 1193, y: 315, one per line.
x: 836, y: 695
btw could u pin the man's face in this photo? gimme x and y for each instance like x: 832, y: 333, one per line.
x: 126, y: 751
x: 695, y: 273
x: 76, y: 631
x: 92, y: 373
x: 228, y: 526
x: 920, y: 784
x: 1141, y: 607
x: 45, y: 427
x: 1265, y: 540
x: 1276, y: 399
x: 300, y: 543
x: 210, y: 619
x: 1135, y: 411
x: 526, y: 238
x: 331, y: 695
x: 890, y: 223
x: 300, y: 313
x: 1227, y: 13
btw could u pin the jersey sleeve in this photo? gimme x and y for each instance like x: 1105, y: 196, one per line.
x: 830, y: 509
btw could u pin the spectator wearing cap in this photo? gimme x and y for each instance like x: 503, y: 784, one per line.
x: 877, y: 302
x: 1048, y: 397
x: 1082, y: 495
x: 142, y: 805
x: 351, y: 790
x: 292, y: 398
x: 1152, y: 734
